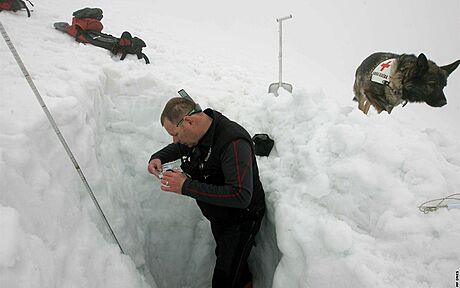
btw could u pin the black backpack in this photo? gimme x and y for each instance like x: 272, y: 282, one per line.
x: 263, y: 144
x: 14, y: 5
x: 130, y: 45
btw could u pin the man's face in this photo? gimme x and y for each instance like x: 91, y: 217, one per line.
x: 183, y: 134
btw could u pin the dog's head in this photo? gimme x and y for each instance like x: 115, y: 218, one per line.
x: 423, y: 80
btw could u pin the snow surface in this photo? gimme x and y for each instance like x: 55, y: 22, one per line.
x: 342, y: 188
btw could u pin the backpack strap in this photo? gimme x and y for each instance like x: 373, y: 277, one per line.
x: 146, y: 59
x: 25, y: 6
x: 27, y: 9
x: 21, y: 5
x: 78, y: 34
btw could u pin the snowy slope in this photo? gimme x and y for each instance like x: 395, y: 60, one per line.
x: 342, y: 188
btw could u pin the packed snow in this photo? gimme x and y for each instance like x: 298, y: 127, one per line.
x: 342, y: 188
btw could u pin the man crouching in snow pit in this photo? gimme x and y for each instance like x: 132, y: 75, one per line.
x: 220, y: 172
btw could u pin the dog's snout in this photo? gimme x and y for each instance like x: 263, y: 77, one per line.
x: 438, y: 103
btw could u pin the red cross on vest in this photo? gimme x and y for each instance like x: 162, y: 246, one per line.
x: 385, y: 65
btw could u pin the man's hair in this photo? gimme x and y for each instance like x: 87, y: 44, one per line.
x: 176, y: 109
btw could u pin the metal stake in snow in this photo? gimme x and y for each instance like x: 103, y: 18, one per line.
x: 56, y: 129
x: 273, y: 88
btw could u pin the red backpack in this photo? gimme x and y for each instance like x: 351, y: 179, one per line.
x: 14, y: 5
x: 83, y: 20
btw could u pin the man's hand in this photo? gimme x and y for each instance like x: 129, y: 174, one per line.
x: 173, y: 181
x: 155, y: 167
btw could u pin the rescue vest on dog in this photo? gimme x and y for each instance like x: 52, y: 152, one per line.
x: 86, y: 27
x: 382, y: 72
x: 14, y: 5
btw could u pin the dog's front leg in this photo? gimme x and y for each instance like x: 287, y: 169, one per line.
x: 363, y: 104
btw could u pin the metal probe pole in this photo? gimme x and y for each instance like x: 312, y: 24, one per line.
x: 56, y: 129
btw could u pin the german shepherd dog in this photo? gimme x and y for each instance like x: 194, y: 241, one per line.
x: 385, y: 80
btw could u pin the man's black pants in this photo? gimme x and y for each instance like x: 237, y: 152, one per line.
x: 234, y: 244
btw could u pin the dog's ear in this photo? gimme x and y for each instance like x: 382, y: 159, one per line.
x: 451, y: 67
x: 422, y: 65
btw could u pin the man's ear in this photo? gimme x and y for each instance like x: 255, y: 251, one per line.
x: 189, y: 120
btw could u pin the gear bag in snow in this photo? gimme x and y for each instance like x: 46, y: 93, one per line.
x: 87, y: 28
x: 263, y: 144
x: 14, y: 5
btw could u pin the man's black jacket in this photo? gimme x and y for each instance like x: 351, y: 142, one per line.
x: 222, y: 170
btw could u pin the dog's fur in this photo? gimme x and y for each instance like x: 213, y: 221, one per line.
x: 412, y: 79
